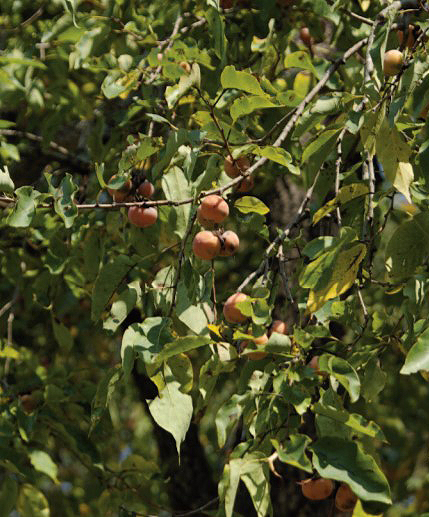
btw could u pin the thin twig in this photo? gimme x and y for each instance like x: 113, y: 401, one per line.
x: 198, y: 510
x: 338, y: 170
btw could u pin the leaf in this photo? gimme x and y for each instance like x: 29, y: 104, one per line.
x: 345, y: 461
x: 32, y: 502
x: 246, y: 105
x: 408, y: 246
x: 248, y: 204
x: 6, y: 183
x: 394, y: 154
x: 147, y: 339
x: 8, y: 351
x: 358, y: 511
x: 232, y: 78
x: 62, y: 335
x: 345, y: 194
x: 299, y: 59
x: 182, y: 344
x: 255, y: 474
x: 108, y: 280
x: 293, y: 450
x: 22, y: 61
x: 182, y: 371
x: 8, y: 494
x: 418, y: 356
x: 217, y: 30
x: 343, y: 276
x: 106, y: 387
x: 353, y: 420
x: 278, y: 155
x: 343, y: 372
x: 373, y: 381
x: 172, y: 410
x: 323, y: 141
x: 25, y: 207
x: 122, y: 306
x: 372, y: 123
x: 42, y: 462
x: 186, y: 82
x: 176, y: 187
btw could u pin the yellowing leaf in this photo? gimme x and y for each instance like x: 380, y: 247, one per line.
x: 360, y: 512
x: 343, y: 276
x: 394, y: 153
x: 345, y: 194
x: 232, y: 78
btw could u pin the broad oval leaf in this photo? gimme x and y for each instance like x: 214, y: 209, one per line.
x: 418, y: 356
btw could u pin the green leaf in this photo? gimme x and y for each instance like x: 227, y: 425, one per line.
x: 6, y: 183
x: 408, y: 246
x: 418, y: 356
x: 253, y: 471
x: 353, y: 420
x: 373, y: 381
x: 42, y: 462
x: 320, y: 144
x: 106, y: 387
x: 186, y: 82
x: 277, y: 155
x: 227, y: 416
x: 182, y: 371
x: 25, y: 207
x: 299, y: 59
x: 343, y: 372
x: 32, y: 502
x: 293, y: 450
x: 217, y: 31
x: 62, y: 335
x: 232, y: 78
x: 22, y: 61
x: 182, y: 344
x: 147, y: 339
x: 108, y: 280
x: 172, y: 410
x: 246, y: 105
x: 8, y: 494
x: 248, y: 204
x: 345, y: 461
x: 176, y: 187
x: 122, y: 306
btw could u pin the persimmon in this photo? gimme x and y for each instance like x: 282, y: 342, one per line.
x: 255, y: 356
x: 279, y: 326
x: 233, y: 168
x: 345, y: 498
x: 229, y: 243
x: 185, y: 66
x: 206, y: 245
x: 411, y: 39
x: 392, y: 62
x: 214, y: 208
x: 317, y: 489
x: 142, y: 216
x: 230, y: 310
x: 146, y: 189
x: 305, y: 36
x: 246, y: 184
x: 208, y: 225
x: 120, y: 195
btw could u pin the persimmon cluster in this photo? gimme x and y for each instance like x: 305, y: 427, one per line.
x: 141, y: 216
x: 211, y: 242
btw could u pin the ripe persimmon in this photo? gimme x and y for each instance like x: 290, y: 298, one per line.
x: 120, y: 195
x: 206, y: 245
x: 213, y: 208
x: 229, y: 243
x: 345, y: 498
x: 142, y: 216
x: 146, y: 189
x: 233, y: 168
x: 230, y: 310
x: 317, y: 489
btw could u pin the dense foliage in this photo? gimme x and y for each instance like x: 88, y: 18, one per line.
x: 124, y: 388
